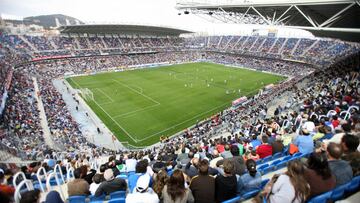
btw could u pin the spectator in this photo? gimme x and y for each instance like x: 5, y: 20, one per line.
x: 225, y: 185
x: 339, y: 168
x: 318, y: 174
x: 130, y: 163
x: 5, y: 189
x: 111, y: 184
x: 304, y: 142
x: 159, y: 182
x: 97, y: 179
x: 141, y: 169
x: 264, y: 149
x: 31, y: 196
x: 53, y: 197
x: 142, y: 193
x: 237, y: 160
x: 203, y: 185
x: 215, y: 159
x: 250, y: 180
x: 175, y: 191
x: 289, y: 187
x: 226, y: 154
x: 349, y: 144
x: 255, y: 142
x: 78, y: 186
x: 277, y: 146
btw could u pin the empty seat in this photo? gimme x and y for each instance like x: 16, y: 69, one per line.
x: 282, y: 164
x: 353, y: 185
x: 262, y: 166
x: 321, y: 198
x: 277, y: 155
x: 266, y: 159
x: 99, y: 198
x: 274, y: 163
x: 297, y: 154
x: 118, y: 194
x: 250, y: 194
x: 338, y: 192
x: 267, y: 170
x: 117, y: 200
x: 77, y: 199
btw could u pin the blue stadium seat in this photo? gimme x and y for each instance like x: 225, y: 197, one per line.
x: 77, y: 199
x: 338, y: 192
x: 266, y: 159
x: 288, y: 157
x: 297, y: 154
x: 282, y: 164
x: 285, y: 151
x: 267, y: 170
x: 250, y: 194
x: 122, y: 176
x: 274, y: 163
x: 353, y: 185
x: 233, y: 200
x: 321, y: 198
x: 118, y: 194
x: 277, y: 155
x: 262, y: 166
x: 258, y: 162
x: 264, y: 182
x: 100, y: 198
x: 117, y: 200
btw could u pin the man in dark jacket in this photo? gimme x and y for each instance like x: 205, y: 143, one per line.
x: 339, y: 168
x: 237, y: 160
x: 111, y: 184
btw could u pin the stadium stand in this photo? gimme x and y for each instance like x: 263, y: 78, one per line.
x: 323, y: 109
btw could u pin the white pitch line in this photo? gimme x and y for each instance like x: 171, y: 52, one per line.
x: 153, y: 100
x: 131, y: 112
x: 128, y: 134
x: 147, y: 137
x: 104, y: 94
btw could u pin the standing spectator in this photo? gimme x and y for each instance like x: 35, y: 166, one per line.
x: 289, y: 187
x: 250, y: 180
x: 203, y: 185
x: 264, y: 149
x: 78, y: 186
x: 130, y: 163
x: 304, y: 142
x: 225, y: 185
x: 142, y: 193
x: 318, y: 174
x: 111, y: 184
x: 339, y: 168
x: 175, y: 191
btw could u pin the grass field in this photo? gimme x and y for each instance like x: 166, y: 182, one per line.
x: 141, y: 105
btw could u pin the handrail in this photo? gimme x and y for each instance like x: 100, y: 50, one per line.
x: 20, y: 173
x: 41, y: 177
x: 17, y: 194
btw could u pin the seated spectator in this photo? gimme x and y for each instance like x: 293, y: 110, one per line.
x: 255, y: 142
x: 5, y: 189
x: 130, y: 163
x: 226, y: 154
x: 250, y: 180
x: 237, y: 160
x: 183, y: 155
x: 215, y: 158
x: 142, y: 193
x: 289, y: 187
x: 349, y: 144
x: 140, y: 169
x: 160, y: 181
x: 53, y: 197
x: 159, y: 164
x: 339, y: 168
x: 203, y: 185
x: 318, y: 174
x: 191, y: 169
x: 278, y: 145
x: 111, y: 184
x: 97, y: 179
x: 78, y: 186
x: 175, y: 191
x: 304, y: 142
x: 265, y: 149
x: 31, y: 196
x: 225, y: 185
x: 86, y: 174
x: 252, y: 155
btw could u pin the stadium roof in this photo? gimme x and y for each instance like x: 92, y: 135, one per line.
x: 327, y: 18
x: 143, y: 30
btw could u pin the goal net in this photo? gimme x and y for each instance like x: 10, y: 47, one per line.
x: 87, y: 94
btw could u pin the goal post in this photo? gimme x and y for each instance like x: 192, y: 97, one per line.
x: 87, y: 94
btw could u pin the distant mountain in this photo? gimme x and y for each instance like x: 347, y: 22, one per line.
x: 49, y: 20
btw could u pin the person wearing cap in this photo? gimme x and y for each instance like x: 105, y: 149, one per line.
x: 111, y: 184
x: 142, y: 193
x: 304, y: 142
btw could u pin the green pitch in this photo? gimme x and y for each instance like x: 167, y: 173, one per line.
x: 139, y: 106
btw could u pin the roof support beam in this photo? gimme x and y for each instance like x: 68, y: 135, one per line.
x: 305, y: 16
x: 336, y: 16
x: 287, y: 10
x: 266, y: 20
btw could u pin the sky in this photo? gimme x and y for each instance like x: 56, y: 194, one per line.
x: 155, y: 12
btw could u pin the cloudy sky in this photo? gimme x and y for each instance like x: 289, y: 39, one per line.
x: 157, y: 12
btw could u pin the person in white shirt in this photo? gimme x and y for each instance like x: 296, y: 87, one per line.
x: 130, y: 163
x: 142, y: 193
x: 97, y: 179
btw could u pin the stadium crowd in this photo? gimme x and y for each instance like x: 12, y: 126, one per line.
x: 321, y: 123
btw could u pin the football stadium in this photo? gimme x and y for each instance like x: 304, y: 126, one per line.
x: 175, y: 101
